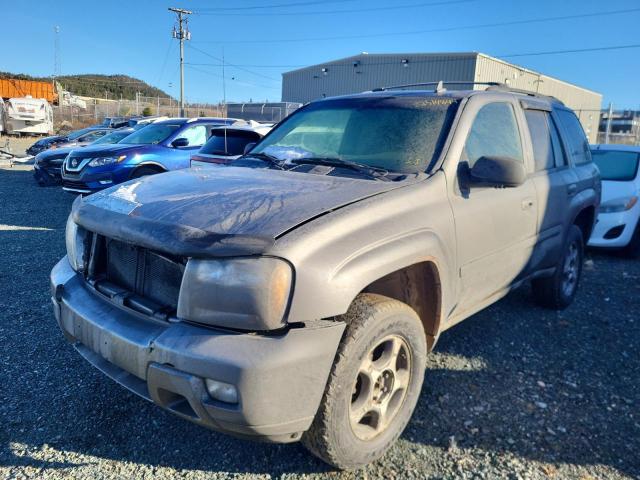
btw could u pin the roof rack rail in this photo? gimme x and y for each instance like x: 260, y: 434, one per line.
x: 439, y: 85
x: 524, y: 92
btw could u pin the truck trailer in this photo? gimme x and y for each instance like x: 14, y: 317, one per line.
x: 28, y: 116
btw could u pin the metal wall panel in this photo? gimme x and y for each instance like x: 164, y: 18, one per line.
x: 366, y: 72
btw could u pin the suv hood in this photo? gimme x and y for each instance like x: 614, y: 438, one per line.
x: 218, y: 211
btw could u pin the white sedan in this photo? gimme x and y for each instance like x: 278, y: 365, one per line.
x: 617, y: 225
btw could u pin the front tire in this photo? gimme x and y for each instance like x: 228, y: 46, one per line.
x: 144, y: 171
x: 374, y: 384
x: 558, y: 291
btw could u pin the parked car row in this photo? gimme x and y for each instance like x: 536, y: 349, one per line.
x: 152, y: 145
x: 291, y: 290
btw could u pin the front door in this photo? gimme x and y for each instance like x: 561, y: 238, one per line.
x: 495, y: 227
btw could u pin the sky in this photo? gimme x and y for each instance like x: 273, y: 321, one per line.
x: 263, y: 39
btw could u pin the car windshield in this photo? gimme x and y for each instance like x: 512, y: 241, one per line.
x: 228, y: 142
x: 395, y: 133
x: 113, y: 137
x: 151, y: 134
x: 616, y: 165
x: 78, y: 133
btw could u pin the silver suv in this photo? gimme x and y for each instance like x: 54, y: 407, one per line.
x: 294, y: 293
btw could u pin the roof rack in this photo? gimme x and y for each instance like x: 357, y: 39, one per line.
x: 491, y: 86
x: 439, y: 85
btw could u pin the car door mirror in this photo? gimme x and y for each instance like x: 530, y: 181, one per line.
x: 248, y: 147
x: 180, y: 142
x: 498, y: 172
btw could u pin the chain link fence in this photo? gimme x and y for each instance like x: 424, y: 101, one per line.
x: 75, y: 116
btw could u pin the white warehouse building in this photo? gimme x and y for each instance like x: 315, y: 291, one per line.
x: 368, y: 71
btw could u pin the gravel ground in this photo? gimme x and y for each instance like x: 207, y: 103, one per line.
x: 513, y: 392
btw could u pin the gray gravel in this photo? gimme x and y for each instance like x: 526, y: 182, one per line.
x: 514, y: 392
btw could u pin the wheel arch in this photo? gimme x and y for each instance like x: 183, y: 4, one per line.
x: 585, y: 221
x: 419, y: 286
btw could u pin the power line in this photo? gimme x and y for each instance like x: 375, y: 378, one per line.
x: 244, y: 65
x: 355, y: 10
x: 242, y: 82
x: 577, y: 50
x: 233, y: 65
x: 432, y: 30
x: 279, y: 5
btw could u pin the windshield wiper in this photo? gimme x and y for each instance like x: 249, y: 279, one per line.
x: 270, y: 159
x: 372, y: 171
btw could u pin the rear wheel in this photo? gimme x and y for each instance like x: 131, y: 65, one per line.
x: 374, y: 384
x: 144, y: 171
x: 558, y: 291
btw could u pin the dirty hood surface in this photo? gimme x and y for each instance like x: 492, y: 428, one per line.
x: 217, y: 211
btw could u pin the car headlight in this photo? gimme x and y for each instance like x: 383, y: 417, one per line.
x: 240, y: 293
x: 74, y: 238
x: 101, y: 161
x: 618, y: 205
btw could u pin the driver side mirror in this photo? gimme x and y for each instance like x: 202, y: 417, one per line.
x: 248, y: 147
x: 497, y: 172
x: 180, y: 142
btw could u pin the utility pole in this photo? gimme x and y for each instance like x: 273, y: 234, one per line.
x: 181, y: 34
x: 608, y: 130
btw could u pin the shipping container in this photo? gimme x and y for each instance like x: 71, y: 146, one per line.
x: 13, y: 88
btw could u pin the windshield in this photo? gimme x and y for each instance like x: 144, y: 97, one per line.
x: 113, y: 137
x: 400, y: 134
x: 78, y: 133
x: 232, y: 143
x: 151, y: 134
x: 616, y: 165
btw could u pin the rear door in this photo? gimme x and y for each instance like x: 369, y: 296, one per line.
x: 552, y: 178
x: 587, y: 182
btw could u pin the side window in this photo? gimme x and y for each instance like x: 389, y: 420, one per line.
x: 494, y: 133
x: 558, y: 149
x: 576, y: 139
x: 197, y: 135
x: 540, y: 139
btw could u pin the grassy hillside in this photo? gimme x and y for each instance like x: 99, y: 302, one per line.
x: 95, y: 85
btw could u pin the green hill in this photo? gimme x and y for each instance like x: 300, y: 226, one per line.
x: 96, y: 85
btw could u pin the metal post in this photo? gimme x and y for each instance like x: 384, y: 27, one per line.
x: 608, y: 130
x: 182, y: 34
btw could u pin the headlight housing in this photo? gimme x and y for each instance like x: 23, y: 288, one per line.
x: 240, y: 293
x: 74, y: 239
x: 102, y: 161
x: 618, y: 205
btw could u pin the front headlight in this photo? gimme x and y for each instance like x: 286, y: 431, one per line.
x: 618, y: 205
x: 101, y: 161
x: 241, y: 293
x: 74, y: 238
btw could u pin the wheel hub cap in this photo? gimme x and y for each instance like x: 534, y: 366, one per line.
x: 380, y: 387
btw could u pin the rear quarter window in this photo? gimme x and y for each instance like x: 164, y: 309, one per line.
x: 575, y: 138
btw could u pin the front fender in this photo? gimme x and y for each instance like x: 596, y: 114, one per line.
x: 339, y: 254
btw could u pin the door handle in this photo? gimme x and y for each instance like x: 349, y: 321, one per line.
x: 572, y: 189
x: 527, y: 203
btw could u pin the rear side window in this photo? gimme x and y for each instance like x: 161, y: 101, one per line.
x: 540, y: 139
x: 228, y: 142
x: 576, y: 139
x: 494, y: 133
